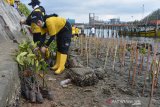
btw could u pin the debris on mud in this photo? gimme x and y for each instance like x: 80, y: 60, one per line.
x: 83, y: 76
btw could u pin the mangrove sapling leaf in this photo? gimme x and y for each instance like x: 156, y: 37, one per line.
x: 37, y: 67
x: 129, y: 49
x: 143, y: 51
x: 23, y: 46
x: 53, y: 46
x: 33, y: 45
x: 20, y: 58
x: 30, y: 59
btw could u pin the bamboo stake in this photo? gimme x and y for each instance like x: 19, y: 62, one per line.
x: 153, y: 78
x: 87, y: 51
x: 147, y: 70
x: 131, y: 60
x: 134, y: 73
x: 107, y: 50
x: 123, y: 55
x: 141, y: 65
x: 114, y: 58
x: 89, y: 47
x: 120, y: 54
x: 113, y: 49
x: 157, y: 73
x: 94, y: 43
x: 142, y: 60
x: 96, y: 47
x: 81, y: 46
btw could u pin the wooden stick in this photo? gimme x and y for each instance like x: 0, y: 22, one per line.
x: 157, y: 74
x: 81, y: 46
x: 114, y: 58
x: 134, y: 73
x: 120, y: 54
x: 96, y: 48
x: 87, y: 50
x: 149, y: 52
x: 107, y: 50
x: 123, y: 55
x: 89, y: 47
x: 141, y: 65
x: 131, y: 60
x: 153, y: 78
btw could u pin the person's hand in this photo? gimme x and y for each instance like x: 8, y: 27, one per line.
x: 43, y: 49
x: 22, y: 21
x: 36, y: 49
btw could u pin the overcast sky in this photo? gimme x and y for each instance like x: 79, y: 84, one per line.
x: 126, y: 10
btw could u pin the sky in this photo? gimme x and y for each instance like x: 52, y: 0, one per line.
x: 126, y: 10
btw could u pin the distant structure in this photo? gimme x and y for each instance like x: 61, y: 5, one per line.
x: 115, y: 21
x: 93, y: 20
x: 152, y: 19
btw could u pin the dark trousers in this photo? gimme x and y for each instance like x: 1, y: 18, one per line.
x: 64, y: 39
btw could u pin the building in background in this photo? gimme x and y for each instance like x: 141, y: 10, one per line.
x: 115, y: 21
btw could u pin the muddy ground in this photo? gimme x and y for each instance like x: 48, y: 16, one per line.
x: 114, y: 90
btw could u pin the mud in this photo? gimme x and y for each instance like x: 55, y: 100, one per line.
x: 114, y: 88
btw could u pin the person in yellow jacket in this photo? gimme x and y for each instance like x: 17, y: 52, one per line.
x: 73, y: 31
x: 61, y: 28
x: 38, y: 32
x: 77, y: 32
x: 10, y: 2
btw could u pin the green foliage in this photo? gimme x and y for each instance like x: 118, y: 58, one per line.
x: 27, y: 46
x: 28, y: 59
x: 45, y: 65
x: 53, y: 46
x: 25, y: 56
x: 143, y: 51
x: 23, y: 8
x: 129, y: 49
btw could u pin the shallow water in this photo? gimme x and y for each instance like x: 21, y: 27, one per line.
x: 108, y: 33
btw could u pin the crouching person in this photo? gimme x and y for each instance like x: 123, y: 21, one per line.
x: 61, y: 28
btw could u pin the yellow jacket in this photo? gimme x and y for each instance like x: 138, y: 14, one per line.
x: 10, y: 2
x: 73, y: 30
x: 77, y: 31
x: 54, y: 25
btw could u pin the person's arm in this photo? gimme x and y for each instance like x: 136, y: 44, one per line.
x: 50, y: 40
x: 44, y: 48
x: 28, y: 20
x: 42, y: 40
